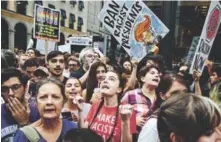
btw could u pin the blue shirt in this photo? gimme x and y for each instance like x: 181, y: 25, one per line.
x: 67, y: 125
x: 9, y: 125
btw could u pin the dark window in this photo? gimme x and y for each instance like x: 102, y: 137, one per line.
x: 39, y: 2
x: 63, y: 1
x: 63, y: 17
x: 71, y: 21
x: 4, y: 4
x: 21, y: 7
x: 81, y: 5
x: 51, y: 6
x: 73, y: 2
x: 80, y: 23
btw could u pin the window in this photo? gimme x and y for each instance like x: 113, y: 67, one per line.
x: 51, y: 6
x: 73, y: 2
x: 63, y: 1
x: 71, y: 21
x: 21, y: 7
x: 4, y: 4
x: 63, y: 17
x: 39, y: 2
x: 81, y: 5
x: 80, y: 23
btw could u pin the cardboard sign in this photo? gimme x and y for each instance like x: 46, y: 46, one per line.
x: 40, y: 46
x: 133, y: 25
x: 65, y: 48
x: 207, y: 37
x: 46, y: 23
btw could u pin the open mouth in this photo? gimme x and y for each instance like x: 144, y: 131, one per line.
x: 49, y: 110
x: 104, y: 87
x: 156, y: 80
x: 57, y: 70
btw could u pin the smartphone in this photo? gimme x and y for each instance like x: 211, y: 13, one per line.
x: 67, y: 115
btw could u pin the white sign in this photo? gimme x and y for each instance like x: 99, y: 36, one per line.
x: 207, y: 37
x: 85, y: 41
x: 40, y: 46
x: 65, y: 48
x: 133, y: 25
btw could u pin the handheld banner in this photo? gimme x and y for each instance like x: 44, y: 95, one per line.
x: 133, y: 25
x: 207, y: 37
x: 46, y: 23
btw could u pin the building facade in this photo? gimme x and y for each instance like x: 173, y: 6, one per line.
x: 17, y: 21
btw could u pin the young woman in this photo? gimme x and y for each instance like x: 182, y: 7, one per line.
x: 189, y: 118
x: 170, y: 84
x: 144, y: 99
x: 50, y: 101
x: 96, y: 75
x: 107, y: 118
x: 73, y: 89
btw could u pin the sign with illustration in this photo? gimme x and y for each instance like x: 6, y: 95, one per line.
x: 207, y: 37
x: 46, y: 23
x: 133, y: 25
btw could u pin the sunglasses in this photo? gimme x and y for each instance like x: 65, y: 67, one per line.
x: 5, y: 89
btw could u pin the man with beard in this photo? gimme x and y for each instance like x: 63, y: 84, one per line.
x: 16, y: 112
x: 55, y: 65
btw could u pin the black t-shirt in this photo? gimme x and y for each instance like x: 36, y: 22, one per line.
x: 79, y: 73
x: 64, y: 80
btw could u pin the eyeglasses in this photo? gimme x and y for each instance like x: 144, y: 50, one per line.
x: 15, y: 88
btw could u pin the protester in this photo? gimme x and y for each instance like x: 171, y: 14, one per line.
x: 121, y: 126
x: 55, y: 65
x: 86, y: 57
x: 30, y: 66
x: 50, y: 100
x: 144, y: 99
x: 21, y: 61
x: 31, y: 52
x: 215, y: 93
x: 82, y: 135
x: 170, y: 84
x: 96, y: 75
x: 216, y: 74
x: 73, y: 65
x: 9, y: 57
x: 73, y: 89
x: 189, y: 118
x: 16, y: 112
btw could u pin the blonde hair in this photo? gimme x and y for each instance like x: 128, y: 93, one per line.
x: 215, y: 94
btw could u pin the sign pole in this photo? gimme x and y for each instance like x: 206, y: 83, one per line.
x: 46, y: 50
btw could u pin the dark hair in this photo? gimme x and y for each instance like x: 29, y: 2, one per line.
x: 142, y: 72
x: 188, y: 116
x: 54, y: 81
x: 41, y: 61
x: 167, y: 81
x: 217, y: 70
x: 35, y: 51
x: 76, y: 79
x: 71, y: 58
x: 30, y: 63
x: 82, y: 135
x: 92, y: 80
x: 9, y: 58
x: 130, y: 64
x: 53, y: 54
x: 117, y: 113
x: 10, y: 72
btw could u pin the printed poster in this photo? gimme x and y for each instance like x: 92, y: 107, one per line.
x: 133, y: 25
x: 207, y: 37
x: 46, y: 23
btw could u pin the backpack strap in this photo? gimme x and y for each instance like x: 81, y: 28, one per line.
x: 30, y: 133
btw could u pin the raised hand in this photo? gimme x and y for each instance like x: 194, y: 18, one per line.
x: 125, y: 112
x: 78, y: 100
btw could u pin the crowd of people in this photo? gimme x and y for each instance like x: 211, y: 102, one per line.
x: 83, y: 97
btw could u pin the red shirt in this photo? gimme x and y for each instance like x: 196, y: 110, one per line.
x: 104, y: 122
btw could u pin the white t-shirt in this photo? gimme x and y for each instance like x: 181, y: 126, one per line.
x: 149, y: 132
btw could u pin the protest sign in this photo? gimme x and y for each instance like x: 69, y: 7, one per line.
x: 65, y: 48
x: 42, y: 44
x: 192, y: 50
x: 133, y: 25
x: 207, y: 37
x: 46, y: 23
